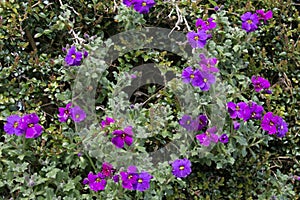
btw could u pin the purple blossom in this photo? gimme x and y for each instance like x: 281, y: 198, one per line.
x: 29, y: 125
x: 223, y: 138
x: 205, y: 25
x: 210, y: 23
x: 73, y: 57
x: 64, y: 113
x: 181, y: 168
x: 12, y: 125
x: 269, y: 122
x: 107, y: 169
x: 236, y: 125
x: 191, y: 76
x: 197, y: 40
x: 207, y: 137
x: 107, y: 122
x: 122, y: 137
x: 264, y: 15
x: 96, y: 181
x: 253, y: 111
x: 143, y: 6
x: 116, y: 178
x: 202, y: 122
x: 77, y: 114
x: 85, y: 53
x: 206, y: 80
x: 143, y: 181
x: 129, y: 178
x: 260, y: 83
x: 236, y: 110
x: 208, y: 64
x: 188, y: 123
x: 128, y: 3
x: 282, y: 127
x: 250, y: 22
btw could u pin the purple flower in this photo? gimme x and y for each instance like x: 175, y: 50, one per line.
x: 97, y: 181
x: 107, y: 169
x: 107, y: 122
x: 122, y: 137
x: 210, y: 23
x: 85, y: 181
x: 197, y: 40
x: 191, y: 76
x: 206, y: 80
x: 143, y: 6
x: 73, y: 57
x: 129, y: 178
x: 236, y: 125
x: 202, y: 122
x: 143, y: 182
x: 181, y: 168
x: 260, y: 83
x: 12, y: 125
x: 188, y: 123
x: 64, y: 113
x: 77, y: 114
x: 253, y: 111
x: 223, y: 138
x: 250, y: 22
x: 29, y: 125
x: 116, y: 178
x: 208, y: 64
x: 269, y: 122
x: 209, y: 136
x: 85, y: 54
x: 205, y: 25
x: 236, y: 110
x: 128, y: 3
x: 264, y: 15
x: 282, y: 127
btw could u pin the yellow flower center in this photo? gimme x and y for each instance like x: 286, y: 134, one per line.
x: 30, y: 125
x: 144, y: 4
x: 253, y: 114
x: 140, y: 180
x: 249, y: 21
x: 130, y: 176
x: 196, y: 38
x: 192, y: 76
x: 77, y: 116
x: 16, y: 124
x: 73, y: 56
x: 237, y: 108
x: 271, y: 123
x: 123, y: 136
x: 188, y: 122
x: 205, y: 80
x: 181, y: 167
x: 98, y: 180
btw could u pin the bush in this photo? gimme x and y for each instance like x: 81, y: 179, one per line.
x: 135, y: 75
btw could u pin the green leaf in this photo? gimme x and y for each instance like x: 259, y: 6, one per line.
x: 38, y: 35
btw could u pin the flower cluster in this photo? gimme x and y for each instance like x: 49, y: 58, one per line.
x: 198, y: 124
x: 193, y: 124
x: 269, y: 122
x: 74, y: 57
x: 76, y: 113
x: 122, y: 137
x: 27, y: 124
x: 260, y: 84
x: 141, y: 6
x: 203, y: 77
x: 251, y: 21
x: 199, y: 39
x: 132, y: 180
x: 274, y: 124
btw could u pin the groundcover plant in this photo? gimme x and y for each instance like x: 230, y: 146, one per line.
x: 148, y: 99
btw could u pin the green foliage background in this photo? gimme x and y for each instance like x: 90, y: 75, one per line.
x: 33, y: 78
